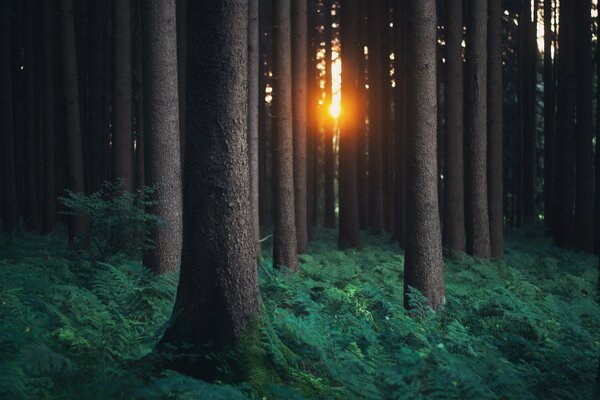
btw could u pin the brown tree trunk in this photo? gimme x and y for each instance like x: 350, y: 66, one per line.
x: 424, y: 265
x: 161, y: 124
x: 217, y: 296
x: 584, y: 168
x: 122, y: 106
x: 549, y: 116
x: 253, y: 116
x: 49, y: 179
x: 329, y: 125
x: 75, y: 177
x: 375, y: 119
x: 477, y: 218
x: 454, y: 184
x: 9, y: 178
x: 495, y: 141
x: 299, y: 65
x: 400, y: 50
x: 284, y: 236
x: 565, y: 145
x: 349, y: 129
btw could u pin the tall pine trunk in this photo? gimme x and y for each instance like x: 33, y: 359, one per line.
x: 549, y: 116
x: 400, y: 118
x: 49, y: 179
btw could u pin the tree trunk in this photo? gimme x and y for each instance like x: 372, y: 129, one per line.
x: 140, y: 172
x: 161, y: 124
x: 584, y: 168
x: 424, y: 266
x: 284, y: 236
x: 375, y: 119
x: 122, y: 106
x: 350, y: 127
x: 75, y: 177
x: 97, y: 128
x: 362, y: 111
x: 454, y: 184
x: 253, y: 116
x: 387, y: 143
x: 565, y: 146
x: 299, y: 65
x: 217, y: 296
x: 329, y: 125
x: 400, y: 120
x: 9, y: 177
x: 313, y: 91
x: 549, y: 117
x: 495, y: 140
x: 182, y: 23
x: 597, y: 159
x: 477, y: 218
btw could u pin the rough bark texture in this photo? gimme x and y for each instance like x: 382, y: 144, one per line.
x: 375, y: 119
x: 49, y: 182
x: 350, y: 127
x: 565, y: 145
x: 161, y: 126
x: 140, y: 172
x: 218, y: 287
x: 284, y: 236
x: 454, y: 184
x: 424, y: 266
x: 400, y: 120
x: 328, y: 126
x: 75, y: 177
x: 182, y: 23
x: 495, y: 141
x: 253, y: 115
x: 299, y: 65
x: 549, y: 116
x: 584, y: 168
x: 122, y: 106
x: 477, y: 218
x: 9, y: 178
x: 312, y: 128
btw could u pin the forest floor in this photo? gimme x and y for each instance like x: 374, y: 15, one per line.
x: 526, y: 327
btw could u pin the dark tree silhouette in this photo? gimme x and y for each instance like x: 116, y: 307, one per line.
x: 549, y: 116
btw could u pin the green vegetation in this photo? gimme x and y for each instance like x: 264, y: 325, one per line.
x: 523, y: 328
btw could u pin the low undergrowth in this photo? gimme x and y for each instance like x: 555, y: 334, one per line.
x: 526, y: 327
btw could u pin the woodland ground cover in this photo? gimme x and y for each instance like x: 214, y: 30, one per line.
x: 522, y: 328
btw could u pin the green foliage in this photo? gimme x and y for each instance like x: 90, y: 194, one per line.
x: 117, y: 221
x: 527, y: 327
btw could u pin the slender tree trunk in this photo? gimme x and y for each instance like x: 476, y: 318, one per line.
x: 400, y: 119
x: 375, y: 119
x: 329, y: 125
x: 549, y: 117
x: 9, y: 212
x: 299, y: 65
x: 284, y: 247
x: 122, y: 140
x: 313, y: 91
x: 97, y: 128
x: 350, y: 127
x: 75, y: 177
x: 597, y: 159
x: 161, y: 123
x: 217, y: 296
x: 253, y: 115
x: 265, y: 123
x: 454, y: 215
x: 584, y: 168
x: 387, y: 143
x: 495, y: 139
x: 477, y: 218
x: 424, y: 266
x: 565, y: 146
x: 362, y: 109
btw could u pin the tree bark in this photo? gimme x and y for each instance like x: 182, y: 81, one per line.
x: 350, y: 127
x: 454, y: 184
x: 284, y: 236
x: 584, y: 168
x: 549, y: 116
x: 217, y: 296
x: 477, y: 218
x: 424, y: 266
x: 122, y: 105
x: 182, y: 23
x: 253, y: 116
x: 299, y: 65
x: 495, y: 140
x: 75, y: 176
x: 161, y: 124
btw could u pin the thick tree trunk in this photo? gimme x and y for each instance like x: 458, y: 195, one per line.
x: 140, y: 170
x: 495, y: 140
x: 122, y: 106
x: 549, y: 116
x: 400, y: 50
x: 49, y: 179
x: 217, y: 296
x: 565, y: 145
x: 9, y: 177
x: 376, y: 212
x: 454, y: 184
x: 299, y: 65
x: 161, y: 124
x: 284, y: 236
x: 584, y: 168
x: 254, y: 97
x: 75, y: 176
x: 424, y: 266
x: 350, y: 127
x: 477, y: 218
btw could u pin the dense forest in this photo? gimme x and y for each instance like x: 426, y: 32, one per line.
x: 299, y: 199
